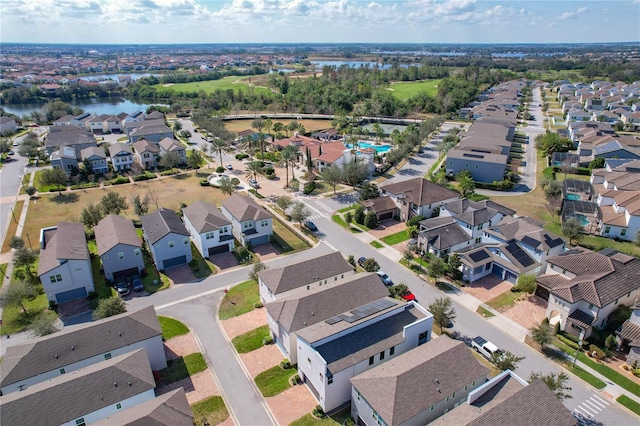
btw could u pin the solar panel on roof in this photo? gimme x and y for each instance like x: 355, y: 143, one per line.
x: 479, y: 255
x: 333, y: 320
x: 520, y: 255
x: 531, y: 242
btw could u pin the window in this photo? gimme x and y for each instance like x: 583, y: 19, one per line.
x: 136, y: 252
x: 107, y: 355
x: 118, y: 406
x: 451, y: 163
x: 358, y: 396
x: 473, y: 383
x: 264, y: 223
x: 477, y: 167
x: 478, y: 240
x: 121, y: 255
x: 453, y: 395
x: 381, y: 355
x: 170, y: 244
x: 208, y: 235
x: 423, y: 338
x: 607, y: 229
x: 335, y: 278
x: 55, y: 278
x: 370, y: 360
x: 446, y: 399
x: 329, y: 377
x: 80, y: 422
x: 623, y: 232
x: 466, y: 387
x: 62, y: 371
x: 590, y: 306
x: 185, y: 240
x: 392, y: 350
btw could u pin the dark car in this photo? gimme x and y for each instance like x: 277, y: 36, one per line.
x: 361, y: 261
x: 123, y: 288
x: 310, y: 226
x: 137, y: 285
x: 11, y: 153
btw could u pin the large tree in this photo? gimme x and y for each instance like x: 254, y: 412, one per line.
x: 572, y: 228
x: 543, y: 334
x: 333, y: 176
x: 300, y: 212
x: 109, y: 307
x: 355, y: 172
x: 225, y: 185
x: 219, y: 145
x: 369, y: 191
x: 91, y: 215
x: 23, y: 257
x: 437, y: 268
x: 284, y: 202
x: 113, y: 203
x: 505, y: 360
x: 443, y: 312
x: 288, y: 157
x: 195, y: 159
x: 254, y: 169
x: 170, y: 160
x: 16, y: 293
x: 555, y: 382
x: 257, y: 267
x: 466, y: 184
x: 55, y: 177
x: 140, y: 204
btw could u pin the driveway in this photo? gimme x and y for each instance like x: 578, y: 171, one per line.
x: 486, y: 288
x: 388, y: 227
x: 224, y: 261
x: 180, y: 274
x: 528, y: 313
x: 266, y: 251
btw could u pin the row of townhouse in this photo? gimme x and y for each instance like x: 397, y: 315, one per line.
x: 65, y: 263
x: 94, y: 373
x: 353, y: 344
x: 106, y: 123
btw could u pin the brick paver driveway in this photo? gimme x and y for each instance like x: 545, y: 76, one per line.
x: 388, y: 227
x: 242, y: 323
x: 528, y: 313
x: 266, y: 251
x: 180, y: 274
x: 486, y: 288
x: 224, y: 261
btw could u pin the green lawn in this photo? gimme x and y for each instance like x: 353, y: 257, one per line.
x: 183, y: 367
x: 346, y: 209
x: 407, y: 89
x: 239, y: 300
x: 396, y: 238
x: 201, y: 268
x: 210, y: 411
x: 334, y: 420
x: 274, y: 381
x: 629, y: 403
x: 338, y: 219
x: 503, y: 301
x: 171, y: 327
x: 251, y: 340
x: 3, y: 270
x: 598, y: 243
x: 15, y: 320
x: 233, y: 82
x: 285, y: 237
x: 587, y: 377
x: 484, y: 312
x: 376, y: 244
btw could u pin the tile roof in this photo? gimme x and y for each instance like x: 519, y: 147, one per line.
x: 113, y: 230
x: 170, y: 409
x: 380, y: 204
x: 321, y: 303
x: 144, y: 145
x: 92, y: 151
x: 243, y: 208
x: 297, y: 275
x: 87, y: 340
x: 630, y: 332
x: 205, y: 216
x: 420, y: 191
x: 160, y: 223
x: 170, y: 144
x: 404, y: 386
x: 65, y: 242
x: 77, y: 393
x: 581, y: 318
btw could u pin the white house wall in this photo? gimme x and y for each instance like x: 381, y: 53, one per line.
x: 110, y: 410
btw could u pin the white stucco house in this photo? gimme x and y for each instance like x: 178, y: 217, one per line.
x: 167, y: 238
x: 210, y: 230
x: 251, y: 224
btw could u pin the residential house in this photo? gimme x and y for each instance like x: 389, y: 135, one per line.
x: 507, y: 399
x: 119, y: 248
x: 210, y: 230
x: 45, y: 358
x: 166, y: 238
x: 169, y: 409
x: 171, y: 145
x: 383, y: 207
x: 288, y: 314
x: 112, y: 124
x: 96, y: 158
x: 631, y: 120
x: 333, y: 351
x: 620, y: 214
x: 76, y: 137
x: 251, y: 224
x: 628, y: 336
x: 583, y: 287
x: 298, y: 278
x: 441, y: 236
x: 146, y: 153
x: 121, y: 156
x: 152, y: 132
x: 474, y: 216
x: 64, y: 268
x: 578, y: 115
x: 65, y: 159
x: 8, y: 125
x: 418, y: 386
x: 90, y: 394
x: 417, y: 197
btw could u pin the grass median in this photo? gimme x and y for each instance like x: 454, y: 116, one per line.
x: 274, y: 381
x: 629, y: 403
x: 210, y: 411
x: 251, y: 340
x: 171, y: 327
x: 240, y: 299
x: 182, y: 367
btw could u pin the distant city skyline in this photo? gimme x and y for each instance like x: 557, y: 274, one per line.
x: 318, y: 21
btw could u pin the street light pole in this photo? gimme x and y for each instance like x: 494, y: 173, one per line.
x: 575, y: 358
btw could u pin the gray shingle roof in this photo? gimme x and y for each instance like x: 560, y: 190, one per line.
x: 160, y: 223
x: 379, y: 204
x: 205, y: 216
x: 37, y: 356
x: 444, y: 237
x: 67, y: 242
x: 92, y: 151
x: 150, y: 129
x: 74, y: 394
x: 420, y: 191
x: 144, y: 145
x: 113, y: 230
x: 170, y: 409
x: 301, y: 310
x: 69, y: 136
x: 170, y: 144
x: 525, y: 231
x: 119, y: 149
x: 300, y: 274
x: 408, y: 384
x: 243, y: 208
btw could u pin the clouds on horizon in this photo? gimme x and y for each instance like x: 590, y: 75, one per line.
x: 246, y: 21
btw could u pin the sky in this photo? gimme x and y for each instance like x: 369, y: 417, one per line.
x: 318, y: 21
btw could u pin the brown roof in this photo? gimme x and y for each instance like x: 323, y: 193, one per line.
x: 77, y: 393
x: 380, y: 204
x: 144, y: 145
x: 300, y: 274
x: 205, y: 216
x: 630, y: 331
x: 75, y: 344
x: 170, y: 409
x: 420, y: 191
x: 243, y: 208
x: 66, y: 242
x: 119, y: 148
x: 113, y: 230
x: 302, y: 310
x: 92, y: 151
x: 408, y: 384
x: 169, y: 144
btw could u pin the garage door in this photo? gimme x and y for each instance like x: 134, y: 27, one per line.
x: 511, y: 277
x: 385, y: 216
x: 77, y: 293
x: 497, y: 270
x: 219, y: 249
x: 175, y: 261
x: 259, y: 240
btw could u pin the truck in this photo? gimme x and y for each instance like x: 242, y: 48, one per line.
x: 484, y: 347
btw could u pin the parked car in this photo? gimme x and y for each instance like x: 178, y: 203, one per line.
x: 15, y: 143
x: 484, y: 347
x: 408, y: 296
x: 361, y: 261
x: 254, y: 184
x: 384, y: 277
x: 310, y: 226
x: 137, y: 285
x: 229, y: 167
x: 11, y: 153
x: 123, y: 288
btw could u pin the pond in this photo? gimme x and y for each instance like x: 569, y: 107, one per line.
x: 110, y: 106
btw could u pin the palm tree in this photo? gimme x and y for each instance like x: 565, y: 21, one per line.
x: 268, y: 124
x: 247, y: 142
x: 288, y: 157
x: 278, y: 127
x: 261, y: 141
x: 466, y: 184
x: 218, y: 145
x: 254, y: 169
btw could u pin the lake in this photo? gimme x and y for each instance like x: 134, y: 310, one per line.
x: 357, y: 64
x: 112, y: 106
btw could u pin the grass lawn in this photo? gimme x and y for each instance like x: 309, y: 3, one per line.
x: 339, y: 220
x: 251, y: 340
x: 484, y: 312
x: 347, y: 209
x: 15, y: 320
x: 503, y: 301
x: 396, y: 238
x: 287, y: 239
x: 597, y: 243
x: 232, y: 82
x: 13, y: 227
x: 376, y: 244
x: 171, y: 327
x: 3, y: 270
x: 210, y: 411
x: 183, y: 367
x: 404, y: 90
x: 587, y: 377
x: 239, y: 300
x: 274, y: 381
x: 202, y: 268
x: 334, y: 420
x: 629, y: 403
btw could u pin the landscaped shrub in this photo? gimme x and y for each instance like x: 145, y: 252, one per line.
x: 549, y: 173
x: 258, y: 305
x: 256, y: 193
x: 318, y: 412
x: 294, y: 380
x: 596, y: 352
x: 371, y: 220
x: 241, y: 156
x: 204, y: 182
x: 309, y: 187
x: 414, y: 220
x: 567, y: 342
x: 219, y: 169
x: 169, y: 172
x: 267, y: 341
x: 145, y: 176
x: 120, y: 180
x: 285, y: 364
x: 269, y: 172
x: 584, y: 171
x: 358, y: 217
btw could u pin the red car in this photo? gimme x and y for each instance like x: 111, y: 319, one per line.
x: 408, y: 296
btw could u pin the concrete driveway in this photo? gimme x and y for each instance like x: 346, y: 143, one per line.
x: 486, y: 288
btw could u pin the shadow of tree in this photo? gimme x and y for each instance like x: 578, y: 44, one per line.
x: 65, y: 198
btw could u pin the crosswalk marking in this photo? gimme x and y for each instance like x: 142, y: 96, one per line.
x: 596, y: 403
x: 600, y: 399
x: 592, y: 406
x: 582, y: 413
x: 318, y: 216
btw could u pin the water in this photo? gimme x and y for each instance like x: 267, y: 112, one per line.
x: 380, y: 149
x: 114, y: 77
x: 357, y: 64
x: 574, y: 197
x: 583, y: 219
x: 112, y: 106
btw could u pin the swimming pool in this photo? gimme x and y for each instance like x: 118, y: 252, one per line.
x: 574, y: 197
x: 379, y: 148
x: 582, y: 219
